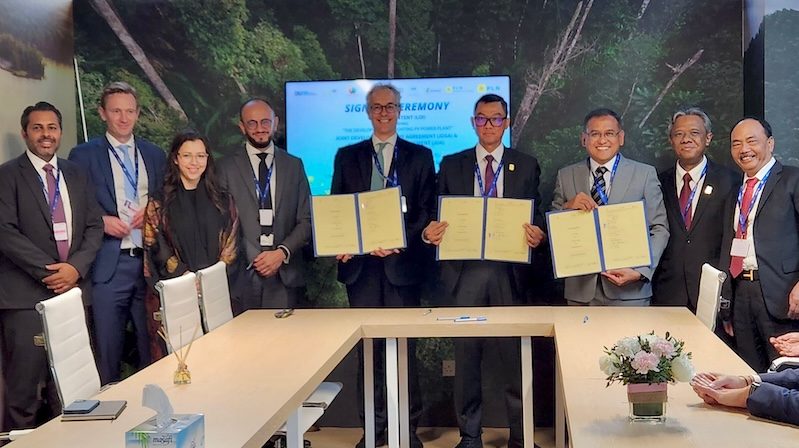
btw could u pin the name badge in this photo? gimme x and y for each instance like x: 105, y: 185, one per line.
x: 60, y: 231
x: 266, y: 216
x: 740, y: 247
x: 403, y: 204
x: 268, y: 240
x: 128, y: 210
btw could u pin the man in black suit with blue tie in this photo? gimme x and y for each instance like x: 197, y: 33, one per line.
x: 388, y: 278
x: 50, y: 230
x: 490, y: 170
x: 124, y: 171
x: 694, y: 193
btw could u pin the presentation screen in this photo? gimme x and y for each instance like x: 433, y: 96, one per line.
x: 322, y: 116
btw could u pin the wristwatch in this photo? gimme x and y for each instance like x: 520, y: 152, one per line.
x: 753, y: 387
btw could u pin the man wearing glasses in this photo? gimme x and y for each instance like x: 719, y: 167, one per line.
x: 608, y: 178
x: 272, y: 196
x: 490, y: 170
x: 388, y: 278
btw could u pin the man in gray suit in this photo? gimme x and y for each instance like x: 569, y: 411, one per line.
x: 272, y: 196
x: 608, y: 178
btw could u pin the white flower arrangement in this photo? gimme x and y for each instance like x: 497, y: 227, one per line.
x: 647, y: 358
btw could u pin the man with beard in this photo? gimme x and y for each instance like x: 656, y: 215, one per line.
x: 50, y: 230
x: 272, y: 195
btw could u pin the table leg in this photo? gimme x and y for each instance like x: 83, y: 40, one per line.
x: 293, y: 433
x: 560, y: 412
x: 392, y: 392
x: 404, y: 414
x: 527, y: 389
x: 368, y: 393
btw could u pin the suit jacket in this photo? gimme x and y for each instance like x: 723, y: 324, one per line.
x: 456, y: 177
x: 777, y: 398
x: 352, y: 171
x: 776, y: 235
x: 292, y: 219
x: 94, y: 158
x: 634, y: 181
x: 27, y: 243
x: 676, y: 281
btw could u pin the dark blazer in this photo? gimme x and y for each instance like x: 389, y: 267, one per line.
x: 777, y: 398
x: 676, y: 281
x: 776, y: 234
x: 94, y: 158
x: 27, y: 243
x: 456, y: 177
x: 352, y: 171
x: 292, y: 224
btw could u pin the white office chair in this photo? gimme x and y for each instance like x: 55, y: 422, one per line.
x: 180, y: 311
x: 13, y: 435
x: 707, y: 306
x: 68, y: 350
x: 214, y: 296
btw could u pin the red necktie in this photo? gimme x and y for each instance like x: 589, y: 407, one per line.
x: 737, y: 263
x: 58, y: 215
x: 685, y: 196
x: 490, y: 176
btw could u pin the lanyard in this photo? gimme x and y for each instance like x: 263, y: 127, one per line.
x: 693, y: 192
x: 393, y: 180
x: 601, y: 191
x: 744, y: 219
x: 493, y: 185
x: 262, y: 194
x: 134, y: 182
x: 57, y: 194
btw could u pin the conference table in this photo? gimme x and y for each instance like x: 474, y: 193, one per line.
x: 251, y: 375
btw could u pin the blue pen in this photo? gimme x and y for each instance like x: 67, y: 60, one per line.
x: 471, y: 319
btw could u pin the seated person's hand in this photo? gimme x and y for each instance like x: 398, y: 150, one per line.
x: 787, y: 344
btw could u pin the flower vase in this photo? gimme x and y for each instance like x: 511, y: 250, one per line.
x: 647, y: 402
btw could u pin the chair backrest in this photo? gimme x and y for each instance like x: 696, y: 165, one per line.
x: 707, y: 306
x: 214, y: 296
x: 180, y: 310
x: 68, y: 349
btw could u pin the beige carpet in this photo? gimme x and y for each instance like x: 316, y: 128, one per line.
x: 431, y: 437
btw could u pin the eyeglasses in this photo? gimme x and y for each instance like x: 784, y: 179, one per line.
x: 191, y: 157
x: 390, y: 108
x: 481, y: 121
x: 253, y: 125
x: 609, y: 135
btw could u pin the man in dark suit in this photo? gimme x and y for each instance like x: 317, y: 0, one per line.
x: 124, y: 170
x: 388, y: 278
x: 273, y: 199
x: 50, y: 230
x: 489, y: 169
x: 694, y: 193
x: 760, y: 247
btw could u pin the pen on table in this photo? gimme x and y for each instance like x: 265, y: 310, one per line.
x: 463, y: 318
x: 585, y: 319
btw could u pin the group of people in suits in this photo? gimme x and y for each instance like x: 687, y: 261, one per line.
x: 157, y: 215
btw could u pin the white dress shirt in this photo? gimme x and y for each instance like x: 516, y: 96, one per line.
x: 498, y: 153
x: 696, y: 181
x: 39, y: 164
x: 120, y: 179
x: 388, y: 153
x: 750, y: 261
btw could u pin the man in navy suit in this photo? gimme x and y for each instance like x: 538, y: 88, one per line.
x: 490, y: 170
x: 50, y: 230
x: 392, y: 277
x: 124, y: 171
x: 695, y: 190
x: 774, y: 396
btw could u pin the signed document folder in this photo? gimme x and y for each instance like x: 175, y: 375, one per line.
x: 357, y: 223
x: 484, y: 228
x: 608, y: 237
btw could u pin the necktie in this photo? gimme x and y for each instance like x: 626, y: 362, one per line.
x: 130, y: 190
x: 377, y: 182
x: 599, y: 184
x: 685, y: 195
x: 58, y: 215
x: 489, y: 175
x: 263, y: 173
x: 737, y: 263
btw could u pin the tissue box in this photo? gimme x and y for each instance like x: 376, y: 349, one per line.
x: 186, y: 431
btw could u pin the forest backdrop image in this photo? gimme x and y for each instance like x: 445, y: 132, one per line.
x: 194, y: 61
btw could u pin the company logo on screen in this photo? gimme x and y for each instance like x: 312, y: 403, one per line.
x: 304, y: 93
x: 352, y: 90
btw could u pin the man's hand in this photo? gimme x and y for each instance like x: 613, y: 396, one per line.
x: 787, y: 344
x: 581, y: 202
x: 343, y: 257
x: 728, y: 328
x: 534, y: 234
x: 434, y: 232
x: 383, y: 253
x: 115, y: 227
x: 622, y: 277
x: 793, y: 302
x: 138, y: 220
x: 268, y: 262
x: 63, y: 279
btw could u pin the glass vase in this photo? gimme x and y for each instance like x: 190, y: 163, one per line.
x: 182, y: 374
x: 647, y: 402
